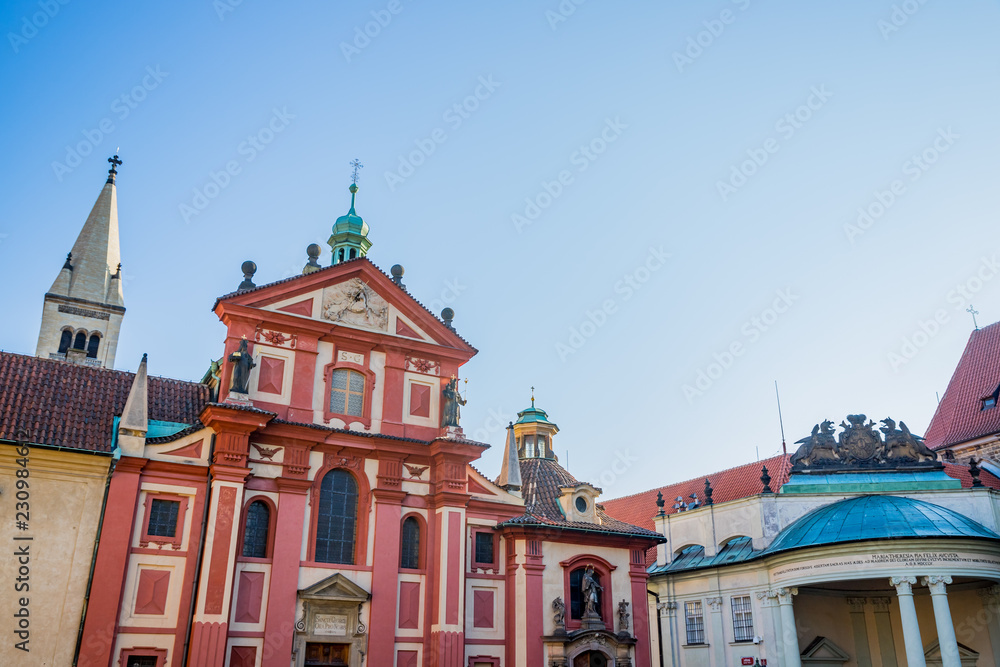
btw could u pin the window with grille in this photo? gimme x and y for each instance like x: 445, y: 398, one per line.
x: 163, y: 518
x: 694, y: 622
x: 742, y: 619
x: 347, y: 389
x: 255, y: 530
x: 337, y: 518
x: 410, y: 544
x: 141, y: 661
x: 484, y: 548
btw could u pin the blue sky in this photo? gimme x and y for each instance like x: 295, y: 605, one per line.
x: 625, y: 195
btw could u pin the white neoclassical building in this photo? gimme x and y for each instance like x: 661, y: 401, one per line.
x: 872, y: 554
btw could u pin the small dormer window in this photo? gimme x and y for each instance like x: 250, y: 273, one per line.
x: 989, y: 402
x: 581, y: 504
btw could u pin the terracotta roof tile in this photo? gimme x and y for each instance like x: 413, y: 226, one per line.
x: 540, y: 483
x: 51, y: 402
x: 959, y: 415
x: 731, y: 484
x: 961, y: 473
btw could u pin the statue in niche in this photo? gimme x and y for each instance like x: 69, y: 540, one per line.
x: 591, y: 593
x: 452, y: 403
x: 243, y: 363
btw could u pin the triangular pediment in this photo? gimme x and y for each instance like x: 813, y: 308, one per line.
x: 336, y: 587
x: 932, y: 654
x: 822, y: 651
x: 353, y: 294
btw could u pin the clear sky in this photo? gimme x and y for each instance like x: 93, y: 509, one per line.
x: 613, y: 197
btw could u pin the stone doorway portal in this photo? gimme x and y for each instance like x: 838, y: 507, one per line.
x: 591, y: 659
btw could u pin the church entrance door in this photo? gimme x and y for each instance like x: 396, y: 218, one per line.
x: 591, y: 659
x: 327, y: 655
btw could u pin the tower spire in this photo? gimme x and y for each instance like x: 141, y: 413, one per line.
x: 84, y: 307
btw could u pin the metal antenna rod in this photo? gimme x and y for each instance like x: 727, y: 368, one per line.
x: 784, y: 449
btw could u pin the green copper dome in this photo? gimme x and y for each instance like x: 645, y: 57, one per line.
x: 350, y: 234
x: 876, y: 518
x: 532, y: 415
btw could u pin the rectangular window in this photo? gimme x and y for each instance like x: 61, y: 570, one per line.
x: 694, y: 621
x: 347, y: 392
x: 484, y: 548
x: 163, y: 518
x: 742, y: 619
x: 141, y: 661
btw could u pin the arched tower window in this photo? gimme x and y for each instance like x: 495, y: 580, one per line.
x: 337, y: 518
x: 80, y: 342
x: 354, y: 253
x: 255, y: 531
x: 409, y: 556
x: 65, y: 340
x: 340, y: 255
x: 95, y: 342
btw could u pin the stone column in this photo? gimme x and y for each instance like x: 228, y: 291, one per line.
x: 858, y: 624
x: 771, y: 631
x: 908, y: 616
x: 789, y: 635
x: 717, y: 640
x: 942, y: 619
x: 883, y: 630
x: 991, y: 610
x: 668, y: 648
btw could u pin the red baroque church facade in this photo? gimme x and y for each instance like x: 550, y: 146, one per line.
x: 323, y: 508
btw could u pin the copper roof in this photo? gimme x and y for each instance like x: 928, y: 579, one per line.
x: 541, y: 480
x: 960, y: 415
x: 50, y: 402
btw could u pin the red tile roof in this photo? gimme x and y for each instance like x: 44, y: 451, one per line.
x: 541, y: 480
x: 959, y: 416
x: 961, y: 473
x: 731, y: 484
x: 49, y: 402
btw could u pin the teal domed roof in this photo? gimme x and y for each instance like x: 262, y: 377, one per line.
x: 350, y: 234
x: 352, y: 222
x: 878, y: 517
x: 532, y: 415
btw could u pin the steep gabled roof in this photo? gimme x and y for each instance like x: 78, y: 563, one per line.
x: 960, y: 415
x: 541, y: 480
x: 49, y: 402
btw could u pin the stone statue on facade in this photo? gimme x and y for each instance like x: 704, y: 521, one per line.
x: 819, y: 448
x: 243, y: 363
x: 559, y: 615
x: 452, y: 403
x: 623, y: 617
x: 591, y: 592
x: 903, y: 446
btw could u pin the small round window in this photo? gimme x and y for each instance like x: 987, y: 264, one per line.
x: 581, y: 504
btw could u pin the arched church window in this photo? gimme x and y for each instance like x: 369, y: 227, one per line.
x: 347, y: 392
x: 65, y: 340
x: 577, y: 603
x: 409, y: 556
x: 95, y: 342
x: 80, y: 342
x: 340, y: 255
x: 337, y: 518
x: 354, y: 253
x: 255, y: 530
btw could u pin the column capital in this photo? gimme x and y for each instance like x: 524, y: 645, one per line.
x: 767, y: 597
x: 857, y: 605
x: 785, y: 595
x: 715, y: 603
x: 936, y: 583
x: 880, y: 604
x: 903, y: 585
x: 667, y: 609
